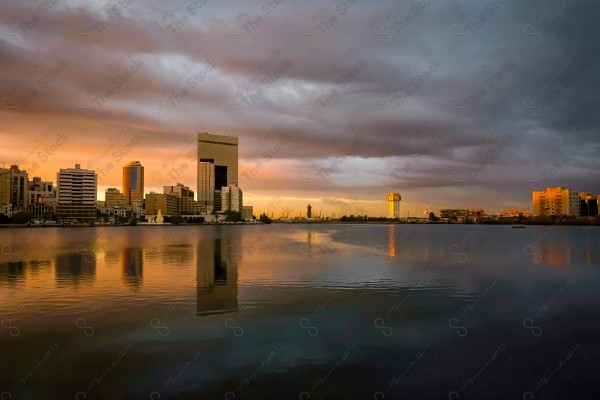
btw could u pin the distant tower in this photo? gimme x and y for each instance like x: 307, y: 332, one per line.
x: 309, y: 211
x: 394, y: 205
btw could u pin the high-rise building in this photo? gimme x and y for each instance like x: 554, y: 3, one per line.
x: 231, y: 198
x: 19, y: 189
x: 114, y: 198
x: 77, y: 192
x: 133, y: 182
x: 222, y: 152
x: 394, y: 205
x: 555, y: 201
x: 308, y: 211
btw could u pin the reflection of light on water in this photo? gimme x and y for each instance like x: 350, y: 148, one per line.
x: 392, y: 240
x: 553, y: 254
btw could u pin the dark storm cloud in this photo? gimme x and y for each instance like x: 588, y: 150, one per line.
x: 415, y: 94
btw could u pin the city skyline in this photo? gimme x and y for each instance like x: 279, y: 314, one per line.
x: 336, y: 122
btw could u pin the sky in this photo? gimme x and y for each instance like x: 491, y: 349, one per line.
x: 453, y: 104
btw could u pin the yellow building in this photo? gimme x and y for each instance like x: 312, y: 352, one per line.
x: 394, y: 205
x: 114, y: 198
x: 555, y: 201
x: 168, y: 204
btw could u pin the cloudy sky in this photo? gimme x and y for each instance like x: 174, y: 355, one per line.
x: 336, y: 103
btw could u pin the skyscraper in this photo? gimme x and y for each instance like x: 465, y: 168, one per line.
x: 19, y: 196
x: 133, y: 182
x: 394, y: 205
x: 206, y: 183
x: 222, y: 152
x: 76, y: 192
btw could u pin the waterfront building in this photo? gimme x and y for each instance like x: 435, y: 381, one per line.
x: 247, y: 213
x: 555, y: 201
x: 231, y: 198
x: 76, y: 193
x: 133, y: 182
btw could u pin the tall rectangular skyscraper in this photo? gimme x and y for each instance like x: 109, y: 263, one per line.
x: 133, y: 181
x: 217, y: 164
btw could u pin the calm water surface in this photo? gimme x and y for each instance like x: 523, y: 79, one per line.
x: 300, y: 311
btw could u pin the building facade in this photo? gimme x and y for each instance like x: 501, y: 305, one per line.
x: 133, y: 182
x: 458, y: 213
x: 19, y: 188
x: 588, y: 204
x: 179, y: 190
x: 76, y: 194
x: 114, y: 198
x: 231, y: 199
x: 247, y: 213
x: 555, y: 201
x: 206, y: 183
x: 42, y: 199
x: 217, y: 167
x: 393, y: 200
x: 168, y: 204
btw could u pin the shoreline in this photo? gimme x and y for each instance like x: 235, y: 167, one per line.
x: 334, y: 222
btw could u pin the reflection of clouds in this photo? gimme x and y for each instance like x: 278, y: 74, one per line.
x: 75, y: 268
x: 132, y: 267
x: 553, y: 254
x: 217, y: 290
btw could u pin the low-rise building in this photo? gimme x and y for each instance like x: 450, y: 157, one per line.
x: 247, y: 213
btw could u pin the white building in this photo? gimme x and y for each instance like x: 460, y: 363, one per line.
x: 231, y: 198
x: 77, y: 192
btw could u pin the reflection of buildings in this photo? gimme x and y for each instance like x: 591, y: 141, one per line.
x: 392, y: 240
x: 132, y: 267
x: 75, y: 267
x: 552, y: 254
x: 217, y: 276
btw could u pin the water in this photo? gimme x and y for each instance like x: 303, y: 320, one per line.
x: 300, y: 311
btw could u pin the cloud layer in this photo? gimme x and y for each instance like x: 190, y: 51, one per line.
x: 457, y: 103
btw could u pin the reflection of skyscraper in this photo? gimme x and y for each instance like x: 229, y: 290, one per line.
x: 75, y: 267
x: 132, y: 268
x: 394, y: 205
x: 217, y: 276
x: 133, y: 181
x: 217, y: 166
